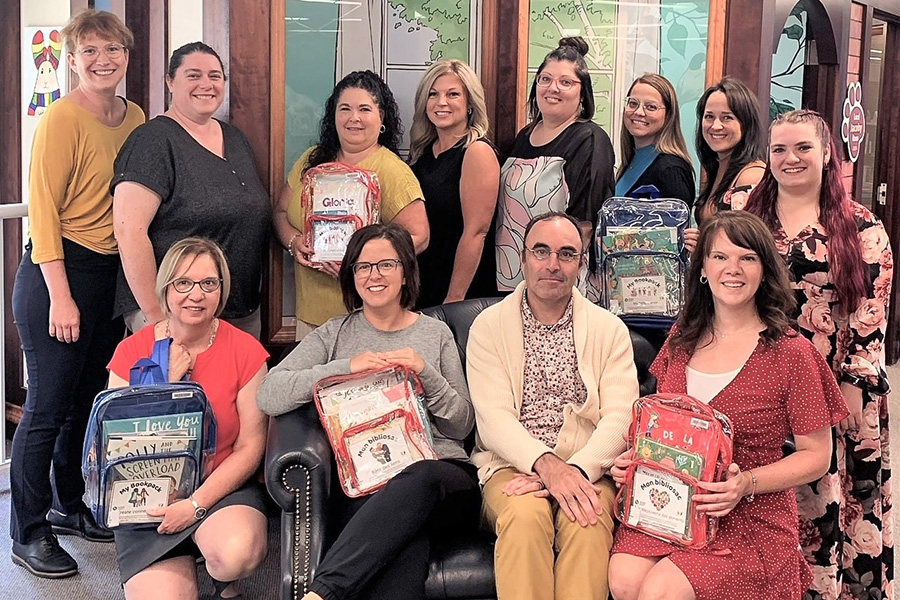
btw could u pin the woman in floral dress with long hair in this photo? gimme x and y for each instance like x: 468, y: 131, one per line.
x: 841, y: 264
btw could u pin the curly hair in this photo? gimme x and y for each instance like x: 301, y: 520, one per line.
x: 423, y: 133
x: 846, y: 268
x: 774, y: 298
x: 744, y: 106
x: 329, y: 144
x: 572, y: 49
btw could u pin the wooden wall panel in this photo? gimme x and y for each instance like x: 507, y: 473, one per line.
x: 504, y: 66
x: 11, y: 192
x: 145, y: 81
x: 256, y: 47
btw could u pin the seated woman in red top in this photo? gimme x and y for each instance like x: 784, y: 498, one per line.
x: 224, y: 519
x: 733, y: 348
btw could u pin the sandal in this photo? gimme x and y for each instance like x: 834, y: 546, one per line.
x: 221, y: 586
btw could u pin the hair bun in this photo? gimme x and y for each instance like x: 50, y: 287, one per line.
x: 577, y: 42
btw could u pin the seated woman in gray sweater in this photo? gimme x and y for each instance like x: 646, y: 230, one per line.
x: 383, y: 545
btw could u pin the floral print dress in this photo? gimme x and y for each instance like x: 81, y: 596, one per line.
x: 845, y: 517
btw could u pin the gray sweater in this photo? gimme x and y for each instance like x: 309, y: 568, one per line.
x: 290, y: 384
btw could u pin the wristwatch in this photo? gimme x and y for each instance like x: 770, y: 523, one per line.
x: 199, y: 511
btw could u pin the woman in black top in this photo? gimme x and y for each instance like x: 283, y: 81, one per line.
x: 459, y: 174
x: 653, y: 149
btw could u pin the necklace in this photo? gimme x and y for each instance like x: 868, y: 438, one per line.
x: 721, y: 334
x: 212, y: 335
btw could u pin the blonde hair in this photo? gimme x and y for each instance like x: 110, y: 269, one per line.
x: 423, y: 132
x: 191, y: 248
x: 670, y: 140
x: 97, y: 22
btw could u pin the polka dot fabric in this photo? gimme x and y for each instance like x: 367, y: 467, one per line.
x: 783, y: 388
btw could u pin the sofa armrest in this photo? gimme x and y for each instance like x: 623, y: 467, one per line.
x: 298, y: 478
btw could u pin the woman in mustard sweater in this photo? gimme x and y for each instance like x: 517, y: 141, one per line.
x: 64, y: 290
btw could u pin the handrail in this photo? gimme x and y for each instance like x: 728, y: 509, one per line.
x: 13, y: 211
x: 7, y: 211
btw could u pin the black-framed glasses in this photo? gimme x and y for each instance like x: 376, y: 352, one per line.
x: 564, y: 83
x: 633, y: 104
x: 563, y: 255
x: 384, y: 267
x: 183, y: 285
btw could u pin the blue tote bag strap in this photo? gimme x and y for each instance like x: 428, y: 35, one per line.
x: 154, y: 369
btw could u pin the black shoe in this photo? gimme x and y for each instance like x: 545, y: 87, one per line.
x: 44, y: 557
x: 80, y: 523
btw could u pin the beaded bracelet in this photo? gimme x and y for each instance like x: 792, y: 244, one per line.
x: 752, y: 495
x: 290, y: 245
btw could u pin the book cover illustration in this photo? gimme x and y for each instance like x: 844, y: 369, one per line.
x: 658, y: 239
x: 339, y: 194
x: 644, y: 284
x: 688, y: 463
x: 188, y: 425
x: 660, y: 501
x: 129, y: 501
x: 330, y: 239
x: 380, y: 453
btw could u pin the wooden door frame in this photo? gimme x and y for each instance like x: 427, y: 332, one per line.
x: 885, y: 169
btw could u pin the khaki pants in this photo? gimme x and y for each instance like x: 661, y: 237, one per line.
x: 540, y: 554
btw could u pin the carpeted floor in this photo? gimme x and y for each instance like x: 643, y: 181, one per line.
x: 98, y: 576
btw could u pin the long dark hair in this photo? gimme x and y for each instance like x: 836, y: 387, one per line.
x: 403, y: 246
x: 774, y: 299
x: 743, y: 104
x: 329, y: 145
x: 846, y: 268
x: 572, y: 49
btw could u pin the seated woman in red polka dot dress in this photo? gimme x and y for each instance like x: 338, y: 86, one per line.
x: 734, y: 349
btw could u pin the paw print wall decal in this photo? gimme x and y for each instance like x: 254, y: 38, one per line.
x: 853, y: 126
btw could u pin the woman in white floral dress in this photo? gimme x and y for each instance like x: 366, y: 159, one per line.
x: 841, y: 265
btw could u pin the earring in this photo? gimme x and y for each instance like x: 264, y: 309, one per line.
x: 382, y: 129
x: 704, y: 280
x: 469, y: 111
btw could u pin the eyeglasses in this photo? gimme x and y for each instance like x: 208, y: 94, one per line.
x: 112, y: 51
x: 633, y: 104
x: 384, y: 267
x: 183, y: 285
x: 564, y: 83
x: 564, y: 255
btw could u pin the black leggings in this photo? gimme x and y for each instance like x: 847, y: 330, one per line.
x: 385, y: 540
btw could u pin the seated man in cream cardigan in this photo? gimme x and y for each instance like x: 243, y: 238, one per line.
x: 552, y: 379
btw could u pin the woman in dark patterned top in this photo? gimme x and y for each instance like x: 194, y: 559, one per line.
x: 459, y: 174
x: 561, y: 161
x: 730, y: 145
x: 841, y: 264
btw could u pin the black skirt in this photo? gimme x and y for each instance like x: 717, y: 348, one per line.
x: 137, y: 549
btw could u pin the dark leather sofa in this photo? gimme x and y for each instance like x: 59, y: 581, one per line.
x: 299, y: 473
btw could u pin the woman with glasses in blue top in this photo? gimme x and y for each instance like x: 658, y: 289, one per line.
x: 653, y: 150
x: 383, y: 539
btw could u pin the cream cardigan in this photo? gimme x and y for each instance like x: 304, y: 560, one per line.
x: 592, y: 434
